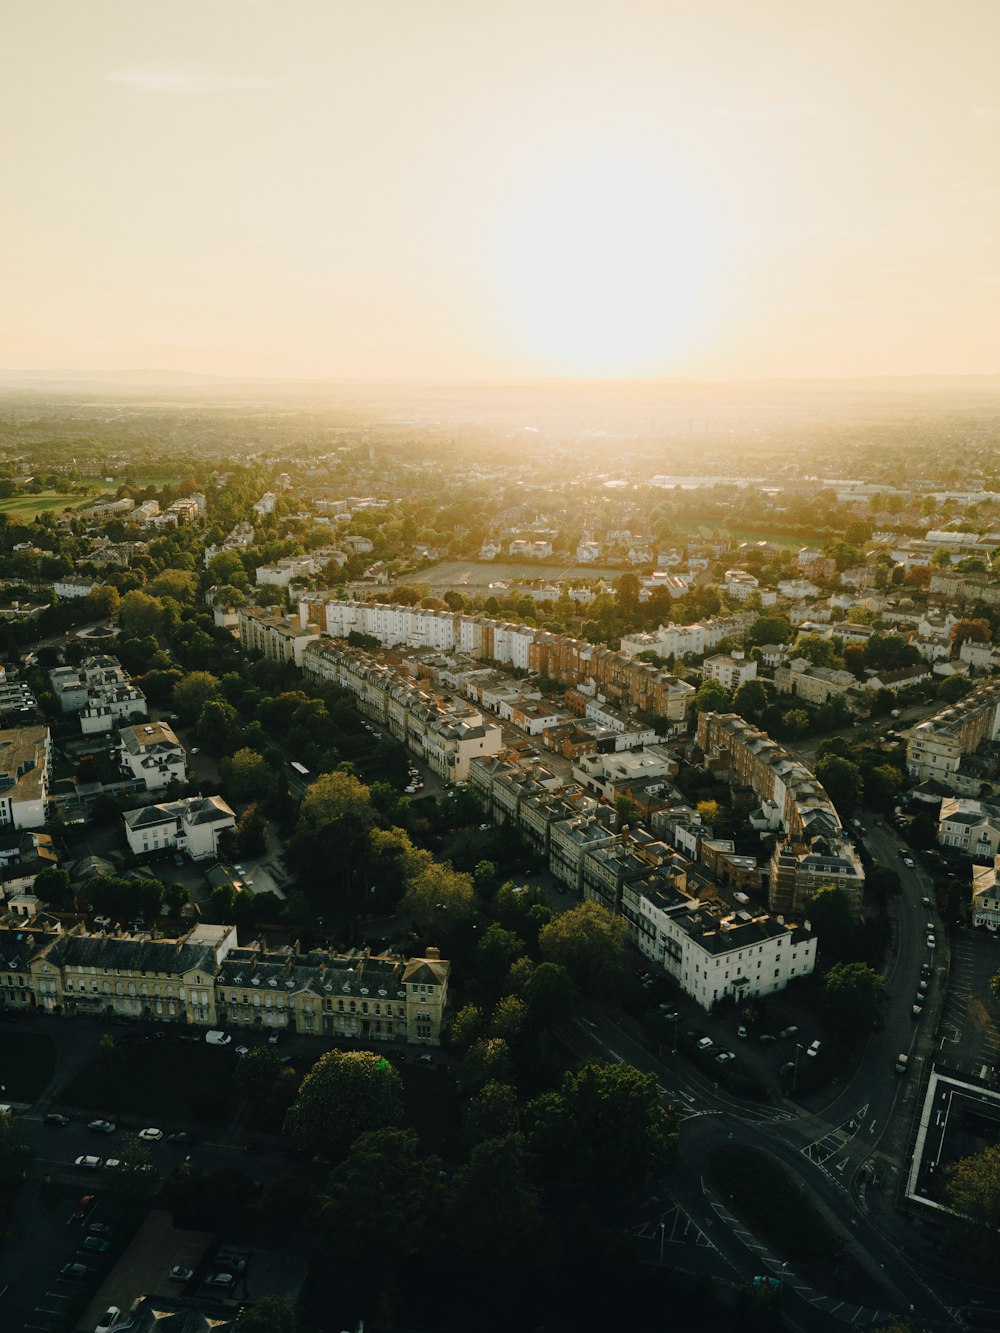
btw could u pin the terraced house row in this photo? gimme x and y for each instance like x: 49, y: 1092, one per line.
x: 445, y: 732
x: 814, y: 849
x: 205, y: 978
x: 560, y: 656
x: 705, y: 933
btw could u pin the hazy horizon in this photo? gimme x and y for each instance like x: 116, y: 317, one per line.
x: 694, y: 192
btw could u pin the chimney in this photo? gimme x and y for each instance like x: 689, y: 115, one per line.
x: 432, y: 951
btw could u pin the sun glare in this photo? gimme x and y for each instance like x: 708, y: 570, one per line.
x: 606, y: 266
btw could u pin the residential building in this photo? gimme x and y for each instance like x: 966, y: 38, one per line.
x: 153, y: 753
x: 339, y: 996
x: 986, y: 896
x: 898, y: 681
x: 971, y: 826
x: 25, y: 755
x: 940, y: 748
x: 69, y: 588
x: 813, y: 684
x: 277, y: 637
x: 731, y: 670
x: 192, y: 824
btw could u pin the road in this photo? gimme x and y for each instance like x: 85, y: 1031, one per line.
x: 846, y: 1147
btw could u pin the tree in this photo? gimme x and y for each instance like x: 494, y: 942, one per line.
x: 995, y: 985
x: 246, y: 773
x: 853, y: 994
x: 440, y: 898
x: 974, y: 1189
x: 549, y: 991
x: 510, y: 1019
x: 843, y: 782
x: 795, y: 723
x: 52, y: 885
x: 193, y: 692
x: 492, y: 1113
x: 832, y: 919
x: 589, y: 941
x: 251, y: 831
x: 768, y: 629
x: 218, y: 726
x: 498, y: 1209
x: 269, y: 1314
x: 750, y: 700
x: 711, y: 697
x: 180, y: 584
x: 709, y: 811
x: 604, y: 1131
x: 375, y: 1211
x: 13, y: 1137
x: 344, y: 1094
x: 882, y: 785
x: 140, y: 616
x: 953, y: 688
x: 496, y: 952
x: 974, y: 631
x: 488, y: 1061
x: 466, y: 1027
x: 815, y: 649
x: 627, y: 590
x: 257, y: 1074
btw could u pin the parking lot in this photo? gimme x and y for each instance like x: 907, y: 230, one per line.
x: 969, y: 1034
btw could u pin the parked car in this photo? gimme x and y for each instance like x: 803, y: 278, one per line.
x: 705, y: 1044
x: 767, y: 1037
x: 216, y: 1038
x: 180, y: 1274
x: 151, y: 1135
x: 96, y: 1245
x: 75, y: 1272
x: 926, y: 902
x: 93, y: 1163
x: 181, y: 1136
x: 54, y: 1118
x: 902, y: 1062
x: 741, y: 1031
x: 908, y: 861
x: 917, y: 1009
x: 102, y: 1126
x: 724, y: 1057
x: 84, y: 1207
x: 931, y: 942
x: 790, y: 1031
x: 814, y: 1048
x: 99, y: 1229
x: 112, y: 1163
x: 225, y: 1281
x: 110, y: 1319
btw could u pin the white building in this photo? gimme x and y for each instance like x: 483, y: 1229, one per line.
x: 153, y: 753
x: 191, y: 825
x: 266, y: 503
x: 277, y: 637
x: 24, y: 774
x: 68, y: 588
x: 730, y: 670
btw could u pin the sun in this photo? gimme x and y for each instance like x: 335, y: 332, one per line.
x: 605, y: 267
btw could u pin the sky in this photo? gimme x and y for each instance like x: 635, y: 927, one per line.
x: 312, y: 189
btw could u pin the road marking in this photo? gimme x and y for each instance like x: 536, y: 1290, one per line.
x: 871, y: 1127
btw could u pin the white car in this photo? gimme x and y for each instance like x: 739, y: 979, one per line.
x: 242, y: 1050
x: 151, y: 1135
x: 110, y: 1319
x: 814, y: 1048
x: 908, y: 861
x: 217, y: 1038
x: 931, y: 942
x: 94, y: 1163
x: 410, y: 790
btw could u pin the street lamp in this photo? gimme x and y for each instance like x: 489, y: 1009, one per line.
x: 662, y: 1228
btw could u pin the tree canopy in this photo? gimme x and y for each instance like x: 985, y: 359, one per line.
x: 344, y: 1094
x: 590, y: 943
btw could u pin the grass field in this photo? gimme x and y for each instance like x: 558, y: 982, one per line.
x: 27, y: 1061
x: 24, y: 508
x: 742, y: 534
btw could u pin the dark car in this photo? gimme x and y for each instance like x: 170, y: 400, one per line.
x: 54, y: 1118
x: 181, y: 1136
x: 75, y: 1272
x: 83, y: 1207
